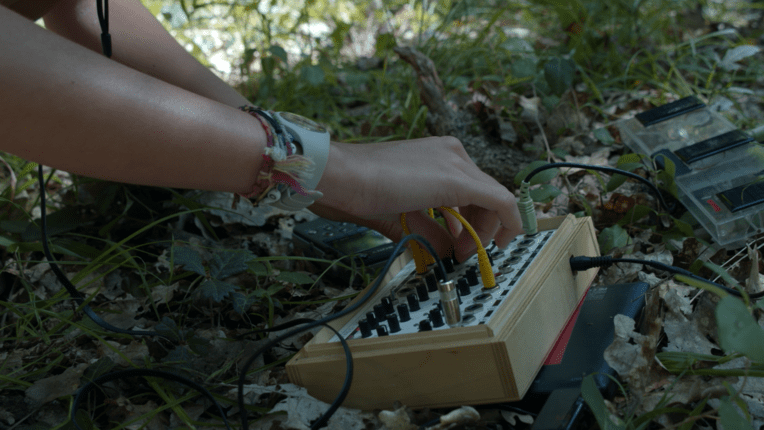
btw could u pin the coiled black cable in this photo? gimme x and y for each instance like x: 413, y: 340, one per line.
x: 70, y: 288
x: 103, y: 18
x: 346, y: 387
x: 80, y: 298
x: 605, y: 169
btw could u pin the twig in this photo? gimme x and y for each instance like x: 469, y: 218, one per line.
x: 549, y: 154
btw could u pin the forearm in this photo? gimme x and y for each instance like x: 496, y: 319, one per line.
x: 139, y: 42
x: 73, y: 109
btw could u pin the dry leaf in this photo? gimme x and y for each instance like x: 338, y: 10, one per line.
x: 162, y: 294
x: 754, y: 282
x: 399, y: 419
x: 512, y: 417
x: 463, y: 415
x: 301, y: 409
x: 626, y: 358
x: 48, y: 389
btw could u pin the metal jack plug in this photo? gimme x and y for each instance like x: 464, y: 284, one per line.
x: 450, y: 302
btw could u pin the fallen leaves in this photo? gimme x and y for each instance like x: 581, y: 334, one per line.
x: 48, y: 389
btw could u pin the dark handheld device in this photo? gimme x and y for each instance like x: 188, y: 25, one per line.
x: 322, y: 238
x: 556, y: 392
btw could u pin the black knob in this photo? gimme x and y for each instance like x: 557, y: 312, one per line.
x: 463, y: 287
x: 365, y: 328
x: 449, y: 263
x: 372, y: 319
x: 490, y: 259
x: 436, y: 318
x: 380, y: 312
x: 432, y: 283
x: 388, y: 304
x: 403, y: 311
x: 413, y: 302
x: 472, y: 276
x: 382, y: 331
x: 392, y: 321
x: 421, y: 290
x: 425, y: 326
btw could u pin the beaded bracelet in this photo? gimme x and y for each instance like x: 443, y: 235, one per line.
x: 281, y: 164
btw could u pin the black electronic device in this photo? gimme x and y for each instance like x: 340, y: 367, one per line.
x: 322, y: 238
x: 555, y: 394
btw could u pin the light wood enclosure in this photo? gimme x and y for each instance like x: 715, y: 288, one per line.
x: 488, y: 363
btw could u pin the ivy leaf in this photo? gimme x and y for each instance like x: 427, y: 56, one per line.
x: 229, y: 263
x: 558, y: 73
x: 199, y: 345
x: 731, y: 419
x: 545, y: 193
x: 241, y: 303
x: 258, y: 268
x: 168, y: 328
x: 635, y: 214
x: 188, y: 258
x: 604, y: 136
x: 278, y: 52
x: 523, y: 68
x: 295, y: 278
x: 613, y: 237
x: 216, y: 289
x: 738, y: 331
x: 541, y: 177
x: 103, y: 365
x: 181, y: 355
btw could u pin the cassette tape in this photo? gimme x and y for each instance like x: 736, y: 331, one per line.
x: 719, y: 169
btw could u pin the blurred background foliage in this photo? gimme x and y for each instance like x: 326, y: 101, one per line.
x: 324, y: 58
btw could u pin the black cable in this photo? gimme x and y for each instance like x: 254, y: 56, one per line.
x: 346, y: 386
x: 70, y: 288
x: 111, y: 376
x: 103, y: 19
x: 605, y: 169
x: 584, y: 263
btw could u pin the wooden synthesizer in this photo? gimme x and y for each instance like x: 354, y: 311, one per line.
x: 404, y: 350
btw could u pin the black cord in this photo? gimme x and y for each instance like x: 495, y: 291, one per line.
x: 103, y: 19
x: 70, y: 288
x: 346, y: 386
x: 584, y: 263
x: 605, y: 169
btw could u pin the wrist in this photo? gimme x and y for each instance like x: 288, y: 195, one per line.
x: 339, y: 175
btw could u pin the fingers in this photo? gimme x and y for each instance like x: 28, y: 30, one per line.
x: 454, y: 225
x: 420, y: 223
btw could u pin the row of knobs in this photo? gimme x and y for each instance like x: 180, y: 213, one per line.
x: 373, y: 319
x: 384, y: 312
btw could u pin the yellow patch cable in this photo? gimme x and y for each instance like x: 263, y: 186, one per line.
x: 486, y: 272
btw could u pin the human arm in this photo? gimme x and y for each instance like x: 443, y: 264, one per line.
x: 366, y: 184
x: 73, y: 109
x: 140, y: 42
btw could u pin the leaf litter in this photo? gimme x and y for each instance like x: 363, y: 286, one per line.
x: 679, y: 320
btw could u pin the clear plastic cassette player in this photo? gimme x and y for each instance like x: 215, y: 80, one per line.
x: 719, y: 169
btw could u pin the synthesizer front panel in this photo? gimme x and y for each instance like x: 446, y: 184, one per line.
x: 404, y: 351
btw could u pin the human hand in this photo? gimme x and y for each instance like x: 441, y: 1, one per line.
x: 372, y: 184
